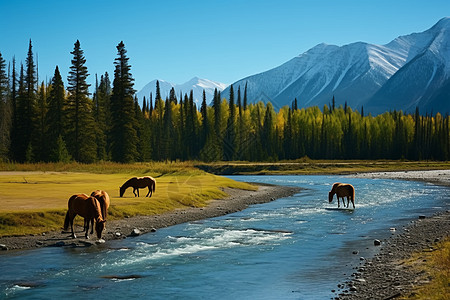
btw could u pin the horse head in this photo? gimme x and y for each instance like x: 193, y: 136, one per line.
x: 99, y: 227
x: 330, y: 197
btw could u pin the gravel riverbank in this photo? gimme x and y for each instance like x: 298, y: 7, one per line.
x: 386, y: 276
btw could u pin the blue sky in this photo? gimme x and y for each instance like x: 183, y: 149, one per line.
x: 175, y: 40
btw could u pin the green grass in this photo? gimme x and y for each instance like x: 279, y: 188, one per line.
x: 34, y: 197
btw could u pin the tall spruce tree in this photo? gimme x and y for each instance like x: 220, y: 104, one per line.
x: 102, y: 115
x: 39, y: 138
x: 124, y: 138
x: 24, y: 111
x: 205, y: 127
x: 5, y: 112
x: 229, y: 145
x: 80, y: 121
x: 55, y: 117
x: 245, y: 96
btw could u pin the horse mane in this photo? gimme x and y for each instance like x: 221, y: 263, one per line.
x: 98, y: 211
x: 335, y: 185
x: 129, y: 181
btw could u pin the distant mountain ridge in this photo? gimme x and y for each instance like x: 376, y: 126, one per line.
x: 410, y: 71
x: 197, y: 85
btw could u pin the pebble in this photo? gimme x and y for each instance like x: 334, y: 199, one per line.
x: 135, y: 232
x: 377, y: 242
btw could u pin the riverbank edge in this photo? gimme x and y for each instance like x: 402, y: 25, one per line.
x: 237, y: 200
x: 386, y: 275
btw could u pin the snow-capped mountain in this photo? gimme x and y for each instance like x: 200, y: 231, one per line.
x: 197, y: 85
x: 410, y: 71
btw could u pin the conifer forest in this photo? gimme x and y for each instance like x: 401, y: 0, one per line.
x: 50, y: 122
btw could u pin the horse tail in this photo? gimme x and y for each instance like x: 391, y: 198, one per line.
x: 154, y: 186
x: 353, y: 196
x: 66, y: 221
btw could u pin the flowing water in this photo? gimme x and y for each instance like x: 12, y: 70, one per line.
x: 291, y: 248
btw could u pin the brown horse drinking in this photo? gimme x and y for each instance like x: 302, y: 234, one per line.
x: 88, y: 208
x: 103, y: 198
x: 342, y: 190
x: 139, y: 183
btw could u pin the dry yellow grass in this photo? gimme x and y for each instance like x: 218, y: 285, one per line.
x: 435, y: 269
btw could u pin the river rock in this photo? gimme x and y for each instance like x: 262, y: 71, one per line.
x: 135, y: 232
x: 3, y: 247
x: 59, y: 244
x: 377, y: 242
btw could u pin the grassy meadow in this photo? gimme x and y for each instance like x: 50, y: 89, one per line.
x: 34, y: 196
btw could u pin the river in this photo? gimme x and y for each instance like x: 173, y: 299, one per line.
x: 291, y: 248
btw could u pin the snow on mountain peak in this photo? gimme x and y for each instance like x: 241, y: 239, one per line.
x: 196, y: 84
x: 354, y: 73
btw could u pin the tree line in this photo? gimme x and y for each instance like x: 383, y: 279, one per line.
x: 50, y: 122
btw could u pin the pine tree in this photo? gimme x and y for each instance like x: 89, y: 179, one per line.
x: 39, y: 137
x: 124, y: 138
x: 205, y: 127
x: 172, y: 96
x: 158, y: 91
x: 102, y: 116
x: 229, y: 145
x: 168, y: 132
x: 80, y: 129
x: 5, y: 112
x: 245, y: 97
x: 24, y: 111
x: 55, y: 116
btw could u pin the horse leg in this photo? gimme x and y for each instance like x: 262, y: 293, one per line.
x: 339, y: 205
x: 92, y: 226
x: 134, y: 191
x: 87, y: 229
x: 71, y: 226
x: 149, y: 191
x: 138, y: 191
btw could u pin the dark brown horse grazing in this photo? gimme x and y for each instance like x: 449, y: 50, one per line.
x: 103, y: 198
x: 88, y: 208
x: 342, y: 190
x: 139, y: 183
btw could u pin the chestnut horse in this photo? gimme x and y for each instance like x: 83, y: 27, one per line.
x: 342, y: 190
x: 88, y: 208
x: 103, y: 198
x: 139, y: 183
